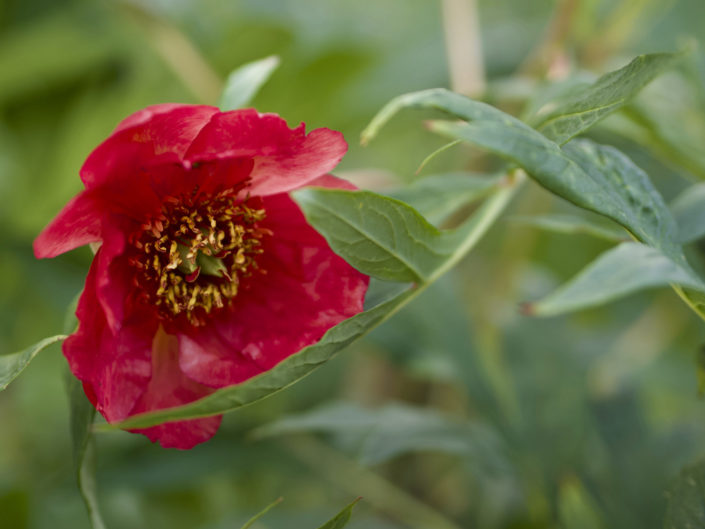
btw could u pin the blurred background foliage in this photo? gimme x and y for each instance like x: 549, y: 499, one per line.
x: 458, y: 412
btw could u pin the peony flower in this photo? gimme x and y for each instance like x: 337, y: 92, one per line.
x: 207, y: 272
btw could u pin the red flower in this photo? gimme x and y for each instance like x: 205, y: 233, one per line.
x: 208, y: 273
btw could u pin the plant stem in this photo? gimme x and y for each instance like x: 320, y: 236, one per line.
x: 464, y: 47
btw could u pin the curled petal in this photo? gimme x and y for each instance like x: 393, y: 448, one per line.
x: 77, y: 224
x: 284, y: 158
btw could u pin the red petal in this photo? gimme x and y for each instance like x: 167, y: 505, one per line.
x: 307, y: 290
x: 115, y: 368
x: 285, y: 158
x: 133, y: 371
x: 77, y: 224
x: 114, y: 275
x: 170, y: 387
x: 157, y: 134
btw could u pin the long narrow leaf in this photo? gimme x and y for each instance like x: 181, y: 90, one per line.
x: 625, y: 269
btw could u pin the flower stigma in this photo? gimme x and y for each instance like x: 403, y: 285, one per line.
x: 193, y: 255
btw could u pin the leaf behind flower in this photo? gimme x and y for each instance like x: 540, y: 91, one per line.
x: 244, y: 82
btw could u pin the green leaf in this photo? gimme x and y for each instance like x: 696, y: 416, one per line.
x: 382, y: 237
x: 341, y: 519
x: 82, y: 413
x: 689, y: 211
x: 686, y: 499
x: 595, y: 177
x: 259, y: 515
x: 437, y: 99
x: 243, y: 83
x: 573, y: 224
x: 608, y: 94
x: 629, y: 267
x: 378, y: 435
x: 437, y: 197
x: 11, y: 365
x: 385, y: 238
x: 305, y: 361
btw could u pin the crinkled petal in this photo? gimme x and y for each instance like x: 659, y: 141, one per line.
x: 120, y: 168
x: 114, y: 368
x: 77, y: 224
x: 305, y: 290
x: 284, y: 158
x: 158, y: 134
x: 170, y: 387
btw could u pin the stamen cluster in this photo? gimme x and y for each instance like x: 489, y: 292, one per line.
x: 192, y: 257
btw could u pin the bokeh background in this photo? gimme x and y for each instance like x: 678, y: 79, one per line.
x: 458, y: 412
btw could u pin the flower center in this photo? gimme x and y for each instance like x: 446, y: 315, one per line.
x: 192, y: 257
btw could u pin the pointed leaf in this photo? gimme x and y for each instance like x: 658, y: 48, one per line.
x: 341, y: 519
x: 625, y: 269
x: 608, y: 94
x: 13, y: 364
x: 437, y: 99
x: 243, y: 83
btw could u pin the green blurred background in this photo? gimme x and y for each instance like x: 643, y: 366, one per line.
x: 458, y: 410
